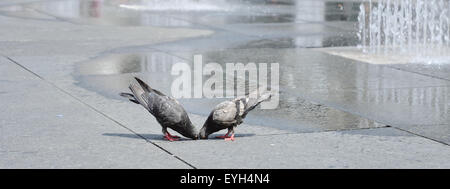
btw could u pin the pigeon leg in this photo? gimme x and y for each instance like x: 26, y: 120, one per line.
x: 231, y: 137
x: 169, y: 137
x: 173, y: 136
x: 224, y: 136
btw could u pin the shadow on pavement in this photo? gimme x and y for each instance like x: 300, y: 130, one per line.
x: 161, y: 138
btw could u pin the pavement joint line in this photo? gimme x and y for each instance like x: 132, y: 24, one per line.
x: 56, y: 17
x: 378, y: 89
x: 389, y: 88
x: 105, y: 115
x: 434, y: 140
x: 2, y: 13
x: 23, y: 67
x: 423, y: 74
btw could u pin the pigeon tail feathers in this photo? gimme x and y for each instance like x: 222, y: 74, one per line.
x: 130, y: 97
x: 140, y: 95
x: 253, y: 103
x: 147, y: 88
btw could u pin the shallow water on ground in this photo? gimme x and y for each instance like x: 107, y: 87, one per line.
x: 112, y: 74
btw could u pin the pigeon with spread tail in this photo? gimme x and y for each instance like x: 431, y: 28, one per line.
x: 167, y: 110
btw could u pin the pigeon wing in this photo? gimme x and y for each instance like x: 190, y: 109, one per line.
x: 225, y: 112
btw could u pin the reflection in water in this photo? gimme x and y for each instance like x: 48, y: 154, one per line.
x: 112, y: 74
x: 319, y: 11
x: 379, y: 92
x: 130, y: 63
x: 93, y: 9
x: 433, y: 101
x: 156, y: 67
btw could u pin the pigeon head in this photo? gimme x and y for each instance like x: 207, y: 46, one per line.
x: 189, y: 131
x: 203, y: 134
x: 206, y: 130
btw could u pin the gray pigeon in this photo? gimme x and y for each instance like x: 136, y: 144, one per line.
x: 167, y: 111
x: 229, y: 114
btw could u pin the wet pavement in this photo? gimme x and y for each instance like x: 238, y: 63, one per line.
x: 322, y: 94
x: 112, y: 74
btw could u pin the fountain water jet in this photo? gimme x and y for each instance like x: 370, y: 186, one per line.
x: 414, y: 28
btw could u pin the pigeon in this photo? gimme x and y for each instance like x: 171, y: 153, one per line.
x: 229, y: 114
x: 167, y: 111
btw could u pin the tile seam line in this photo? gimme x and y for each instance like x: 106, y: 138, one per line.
x: 55, y: 17
x: 404, y: 130
x: 101, y: 113
x: 20, y: 17
x: 418, y: 73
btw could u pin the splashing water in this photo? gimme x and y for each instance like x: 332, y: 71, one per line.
x: 418, y: 28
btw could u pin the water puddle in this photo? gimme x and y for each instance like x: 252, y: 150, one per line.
x: 111, y: 74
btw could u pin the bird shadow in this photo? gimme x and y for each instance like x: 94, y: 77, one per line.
x: 213, y: 136
x: 140, y: 136
x: 160, y: 137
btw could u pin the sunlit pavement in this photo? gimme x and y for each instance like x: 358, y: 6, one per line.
x: 63, y: 64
